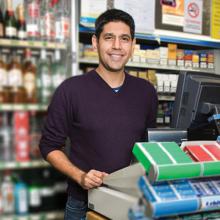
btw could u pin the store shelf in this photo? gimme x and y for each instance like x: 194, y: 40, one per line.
x: 22, y: 107
x: 31, y: 44
x: 149, y: 66
x: 22, y: 165
x: 172, y: 37
x: 55, y: 215
x: 166, y: 98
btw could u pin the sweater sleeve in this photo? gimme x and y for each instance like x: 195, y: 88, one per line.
x: 55, y: 130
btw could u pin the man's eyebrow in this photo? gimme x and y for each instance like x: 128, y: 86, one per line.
x: 122, y: 35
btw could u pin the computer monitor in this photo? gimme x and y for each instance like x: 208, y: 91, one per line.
x: 197, y: 98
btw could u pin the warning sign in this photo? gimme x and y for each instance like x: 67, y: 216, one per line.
x: 193, y: 16
x: 193, y: 10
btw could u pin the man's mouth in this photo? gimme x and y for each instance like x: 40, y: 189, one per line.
x: 116, y: 57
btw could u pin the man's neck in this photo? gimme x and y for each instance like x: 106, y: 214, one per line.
x: 113, y: 79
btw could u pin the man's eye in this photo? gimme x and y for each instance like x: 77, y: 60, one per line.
x: 108, y: 37
x: 125, y: 39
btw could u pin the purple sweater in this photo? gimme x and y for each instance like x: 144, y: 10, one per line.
x: 102, y: 125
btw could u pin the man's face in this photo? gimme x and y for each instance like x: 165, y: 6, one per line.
x: 115, y: 46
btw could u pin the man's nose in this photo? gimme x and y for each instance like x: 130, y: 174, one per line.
x: 116, y: 43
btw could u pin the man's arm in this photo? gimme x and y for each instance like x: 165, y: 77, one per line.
x: 89, y: 180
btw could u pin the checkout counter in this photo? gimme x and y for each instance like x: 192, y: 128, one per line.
x: 120, y: 190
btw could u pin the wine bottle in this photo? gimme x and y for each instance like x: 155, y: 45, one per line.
x: 21, y: 24
x: 15, y: 80
x: 10, y: 21
x: 3, y: 79
x: 29, y: 71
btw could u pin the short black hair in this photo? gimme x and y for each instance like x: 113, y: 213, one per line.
x: 114, y: 15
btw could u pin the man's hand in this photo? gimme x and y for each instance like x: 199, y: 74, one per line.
x: 93, y: 178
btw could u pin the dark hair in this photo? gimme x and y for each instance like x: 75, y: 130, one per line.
x: 114, y: 15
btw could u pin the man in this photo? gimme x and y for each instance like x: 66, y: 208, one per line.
x: 103, y: 112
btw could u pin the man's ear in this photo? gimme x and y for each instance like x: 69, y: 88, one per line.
x: 94, y: 42
x: 133, y: 46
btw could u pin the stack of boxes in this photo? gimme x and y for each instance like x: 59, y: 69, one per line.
x: 173, y: 184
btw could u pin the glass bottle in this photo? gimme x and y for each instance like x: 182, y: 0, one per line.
x: 7, y: 189
x: 62, y: 21
x: 47, y: 21
x: 44, y: 85
x: 10, y: 21
x: 34, y: 191
x: 1, y: 24
x: 33, y: 19
x: 29, y: 74
x: 7, y: 153
x: 3, y: 79
x: 15, y: 80
x: 35, y: 136
x: 21, y: 24
x: 20, y: 196
x: 58, y: 70
x: 47, y: 190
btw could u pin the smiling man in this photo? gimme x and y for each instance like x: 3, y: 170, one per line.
x: 103, y: 112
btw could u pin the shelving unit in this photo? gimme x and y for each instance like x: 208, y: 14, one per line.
x: 31, y: 170
x: 171, y: 37
x: 88, y: 60
x: 32, y: 44
x: 22, y: 107
x: 23, y: 165
x: 55, y: 215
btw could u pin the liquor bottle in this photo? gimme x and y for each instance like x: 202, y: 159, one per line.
x: 34, y: 191
x: 58, y: 70
x: 62, y: 21
x: 29, y: 73
x: 21, y: 197
x: 1, y: 199
x: 7, y: 153
x: 21, y: 24
x: 3, y: 79
x: 44, y: 85
x: 33, y: 19
x: 10, y: 21
x: 1, y: 24
x: 35, y: 136
x: 15, y: 80
x: 47, y: 190
x: 7, y: 189
x: 47, y: 21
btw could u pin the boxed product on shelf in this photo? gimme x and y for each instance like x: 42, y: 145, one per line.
x: 178, y: 197
x: 168, y: 198
x: 142, y: 74
x: 172, y: 53
x: 195, y: 59
x: 167, y: 161
x: 210, y: 59
x: 188, y: 58
x: 203, y: 59
x: 180, y: 57
x: 163, y: 56
x: 202, y: 151
x: 153, y: 56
